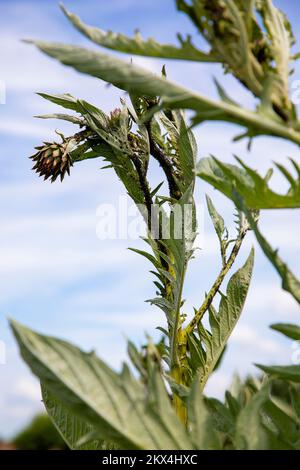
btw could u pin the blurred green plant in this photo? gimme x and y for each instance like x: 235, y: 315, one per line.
x: 164, y: 407
x: 39, y: 434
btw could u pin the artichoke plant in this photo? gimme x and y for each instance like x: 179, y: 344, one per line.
x: 163, y: 405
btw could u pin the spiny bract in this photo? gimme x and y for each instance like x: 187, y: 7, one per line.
x: 52, y: 160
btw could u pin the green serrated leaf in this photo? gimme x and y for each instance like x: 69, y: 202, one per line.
x: 287, y: 427
x: 249, y: 184
x: 202, y: 429
x: 115, y: 405
x: 217, y: 220
x: 137, y: 45
x: 71, y: 428
x: 139, y: 81
x: 222, y: 325
x: 66, y: 100
x: 250, y: 432
x: 289, y: 281
x: 63, y: 117
x: 221, y: 416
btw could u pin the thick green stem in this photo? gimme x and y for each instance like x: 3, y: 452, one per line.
x: 179, y: 405
x: 175, y: 360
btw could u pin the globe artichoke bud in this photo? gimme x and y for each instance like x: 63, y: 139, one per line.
x: 53, y: 160
x: 114, y: 120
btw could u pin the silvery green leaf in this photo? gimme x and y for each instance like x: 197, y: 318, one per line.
x: 289, y: 281
x: 139, y: 81
x: 117, y: 406
x: 201, y: 423
x: 217, y: 220
x: 66, y: 100
x: 211, y: 344
x: 254, y: 189
x: 139, y: 46
x: 250, y: 432
x: 71, y: 428
x: 63, y: 117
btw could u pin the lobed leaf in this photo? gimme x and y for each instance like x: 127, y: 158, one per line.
x: 210, y: 344
x: 289, y: 281
x: 71, y: 428
x: 137, y: 45
x: 114, y: 404
x: 139, y: 81
x: 252, y: 432
x: 250, y: 185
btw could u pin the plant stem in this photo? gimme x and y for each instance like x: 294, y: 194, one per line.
x: 217, y: 284
x: 165, y: 163
x: 175, y: 360
x: 179, y: 405
x: 144, y: 187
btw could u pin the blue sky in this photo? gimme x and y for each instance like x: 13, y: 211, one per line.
x: 55, y: 274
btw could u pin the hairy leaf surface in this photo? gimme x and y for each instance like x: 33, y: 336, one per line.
x: 250, y: 185
x: 139, y: 81
x: 114, y: 404
x: 139, y: 46
x: 72, y: 428
x: 208, y: 345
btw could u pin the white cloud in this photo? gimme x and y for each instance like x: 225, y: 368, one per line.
x: 272, y: 301
x: 126, y: 322
x: 217, y: 384
x: 27, y: 388
x: 248, y: 336
x: 23, y: 129
x: 51, y: 250
x: 28, y: 271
